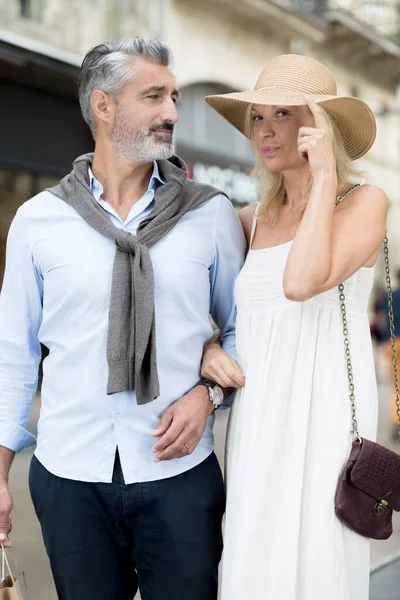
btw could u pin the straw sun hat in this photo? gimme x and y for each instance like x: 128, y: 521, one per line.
x: 283, y: 81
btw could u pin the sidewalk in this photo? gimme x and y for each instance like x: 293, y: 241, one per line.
x: 385, y: 582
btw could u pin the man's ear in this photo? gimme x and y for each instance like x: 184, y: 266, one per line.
x: 103, y: 106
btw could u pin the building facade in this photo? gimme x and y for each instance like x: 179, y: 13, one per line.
x: 219, y: 46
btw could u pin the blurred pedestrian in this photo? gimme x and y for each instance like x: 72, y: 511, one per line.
x: 388, y: 344
x: 290, y: 430
x: 115, y: 271
x: 379, y: 315
x: 378, y: 328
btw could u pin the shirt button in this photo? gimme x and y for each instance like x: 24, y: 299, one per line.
x: 117, y: 417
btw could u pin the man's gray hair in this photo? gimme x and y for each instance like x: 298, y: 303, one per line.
x: 107, y: 67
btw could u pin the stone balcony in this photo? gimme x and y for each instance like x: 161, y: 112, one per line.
x: 351, y: 35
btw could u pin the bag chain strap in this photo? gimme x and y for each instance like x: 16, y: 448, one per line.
x: 356, y: 435
x: 342, y: 298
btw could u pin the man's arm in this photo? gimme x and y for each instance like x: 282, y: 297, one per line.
x: 20, y: 319
x: 230, y: 252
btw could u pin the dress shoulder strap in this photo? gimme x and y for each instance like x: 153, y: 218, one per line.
x: 343, y: 196
x: 254, y: 225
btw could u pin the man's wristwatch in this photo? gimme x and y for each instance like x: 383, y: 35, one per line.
x: 215, y: 393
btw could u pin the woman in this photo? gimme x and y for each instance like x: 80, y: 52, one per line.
x: 290, y: 428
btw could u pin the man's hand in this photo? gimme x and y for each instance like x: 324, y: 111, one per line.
x: 6, y: 505
x: 6, y: 501
x: 182, y: 425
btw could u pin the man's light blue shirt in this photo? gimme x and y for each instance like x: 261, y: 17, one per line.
x: 56, y: 291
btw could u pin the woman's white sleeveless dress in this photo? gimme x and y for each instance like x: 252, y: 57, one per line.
x: 289, y: 436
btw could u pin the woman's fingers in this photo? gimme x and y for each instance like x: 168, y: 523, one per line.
x: 307, y: 131
x: 223, y: 370
x: 317, y: 112
x: 235, y: 375
x: 217, y: 374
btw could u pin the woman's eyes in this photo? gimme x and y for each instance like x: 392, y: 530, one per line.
x: 279, y: 113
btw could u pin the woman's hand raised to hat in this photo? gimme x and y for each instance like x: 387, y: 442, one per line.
x: 315, y: 144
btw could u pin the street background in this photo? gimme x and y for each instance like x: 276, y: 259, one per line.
x: 219, y: 46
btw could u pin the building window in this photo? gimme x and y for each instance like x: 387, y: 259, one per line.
x: 32, y: 9
x: 215, y: 152
x: 354, y: 91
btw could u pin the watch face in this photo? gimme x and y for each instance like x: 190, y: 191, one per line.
x: 218, y: 395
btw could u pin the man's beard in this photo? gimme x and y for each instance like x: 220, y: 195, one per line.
x: 138, y: 145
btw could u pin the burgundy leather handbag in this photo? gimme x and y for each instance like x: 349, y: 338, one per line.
x: 368, y: 489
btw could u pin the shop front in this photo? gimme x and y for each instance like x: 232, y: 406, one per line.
x: 215, y: 152
x: 42, y: 130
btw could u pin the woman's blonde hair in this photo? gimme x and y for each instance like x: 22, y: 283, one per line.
x: 272, y: 185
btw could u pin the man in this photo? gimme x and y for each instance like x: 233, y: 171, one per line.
x: 115, y: 271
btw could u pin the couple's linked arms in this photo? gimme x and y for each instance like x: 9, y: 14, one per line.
x: 183, y: 423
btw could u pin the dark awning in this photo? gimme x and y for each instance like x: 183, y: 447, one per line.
x: 41, y: 128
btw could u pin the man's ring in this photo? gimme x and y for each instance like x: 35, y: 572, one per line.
x: 187, y: 447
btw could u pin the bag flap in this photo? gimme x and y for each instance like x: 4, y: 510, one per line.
x: 377, y: 472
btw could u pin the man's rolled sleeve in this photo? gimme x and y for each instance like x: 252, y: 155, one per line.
x: 14, y: 437
x: 20, y: 320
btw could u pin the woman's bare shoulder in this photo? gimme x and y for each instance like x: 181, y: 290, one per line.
x: 367, y: 199
x: 246, y: 216
x: 367, y: 192
x: 374, y: 193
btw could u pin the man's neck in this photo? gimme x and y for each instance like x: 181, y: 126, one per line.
x: 124, y: 183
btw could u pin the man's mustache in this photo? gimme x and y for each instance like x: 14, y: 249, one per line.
x: 165, y: 125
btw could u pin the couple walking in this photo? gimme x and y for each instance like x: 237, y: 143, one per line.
x: 116, y: 271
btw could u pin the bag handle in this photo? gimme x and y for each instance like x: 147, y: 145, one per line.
x: 5, y: 559
x: 342, y: 298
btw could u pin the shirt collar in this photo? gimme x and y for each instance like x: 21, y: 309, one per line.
x: 97, y: 189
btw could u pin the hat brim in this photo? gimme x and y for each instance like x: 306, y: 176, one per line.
x: 354, y: 119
